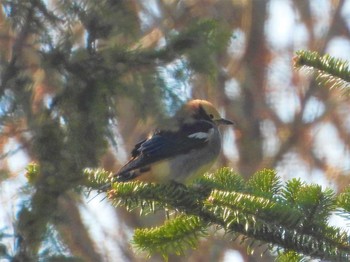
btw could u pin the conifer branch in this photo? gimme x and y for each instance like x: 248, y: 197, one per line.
x: 330, y: 71
x: 343, y: 204
x: 175, y: 236
x: 293, y: 217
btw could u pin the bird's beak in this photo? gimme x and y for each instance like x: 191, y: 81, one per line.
x: 223, y: 121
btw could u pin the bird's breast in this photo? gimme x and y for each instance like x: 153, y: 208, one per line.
x: 186, y: 167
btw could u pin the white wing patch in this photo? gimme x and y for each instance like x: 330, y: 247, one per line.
x: 202, y: 135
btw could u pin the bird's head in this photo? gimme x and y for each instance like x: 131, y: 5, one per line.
x: 201, y: 110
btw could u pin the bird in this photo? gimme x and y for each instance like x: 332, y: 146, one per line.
x: 181, y: 152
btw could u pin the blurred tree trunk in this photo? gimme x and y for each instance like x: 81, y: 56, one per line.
x: 250, y: 144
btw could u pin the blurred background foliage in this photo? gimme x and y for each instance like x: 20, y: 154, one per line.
x: 81, y: 81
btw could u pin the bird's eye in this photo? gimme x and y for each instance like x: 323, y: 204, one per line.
x: 211, y: 116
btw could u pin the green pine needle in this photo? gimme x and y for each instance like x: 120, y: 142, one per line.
x: 290, y: 256
x: 97, y: 178
x: 343, y: 200
x: 133, y: 195
x: 291, y: 189
x: 236, y: 207
x: 330, y: 71
x: 223, y: 179
x: 32, y: 172
x: 265, y: 183
x: 151, y: 197
x: 174, y: 237
x: 292, y: 217
x: 311, y: 200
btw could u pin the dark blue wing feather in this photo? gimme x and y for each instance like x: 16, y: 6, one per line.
x: 165, y: 144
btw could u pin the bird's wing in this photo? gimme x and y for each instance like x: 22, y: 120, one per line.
x: 166, y: 144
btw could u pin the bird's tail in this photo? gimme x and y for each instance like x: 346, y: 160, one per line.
x: 105, y: 187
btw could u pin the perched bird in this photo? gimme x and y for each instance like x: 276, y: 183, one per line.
x: 187, y: 148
